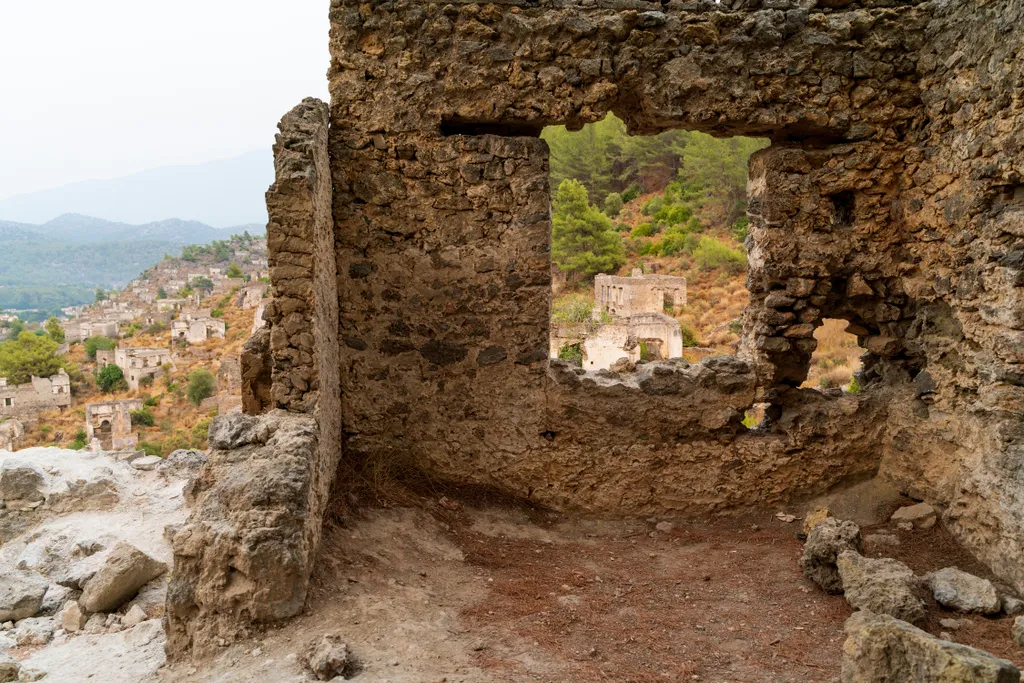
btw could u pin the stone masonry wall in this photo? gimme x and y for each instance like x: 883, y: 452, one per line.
x: 889, y: 197
x: 247, y: 552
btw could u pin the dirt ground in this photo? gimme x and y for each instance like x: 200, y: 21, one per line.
x: 458, y: 592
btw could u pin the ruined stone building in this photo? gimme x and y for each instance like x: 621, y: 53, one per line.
x: 629, y: 321
x: 82, y: 329
x: 39, y: 394
x: 409, y: 249
x: 196, y: 329
x: 109, y: 424
x: 136, y: 363
x: 639, y: 293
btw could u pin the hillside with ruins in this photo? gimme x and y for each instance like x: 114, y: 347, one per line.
x: 589, y: 341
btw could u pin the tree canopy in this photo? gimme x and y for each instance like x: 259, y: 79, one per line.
x: 605, y: 159
x: 28, y: 355
x: 54, y: 329
x: 583, y: 240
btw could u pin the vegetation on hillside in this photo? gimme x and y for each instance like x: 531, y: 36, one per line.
x: 29, y: 354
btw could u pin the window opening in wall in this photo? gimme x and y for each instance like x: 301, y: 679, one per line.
x: 647, y: 252
x: 843, y: 206
x: 836, y: 360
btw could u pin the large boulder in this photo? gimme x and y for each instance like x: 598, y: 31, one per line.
x: 962, y: 591
x: 881, y: 649
x: 882, y: 586
x: 124, y: 571
x: 22, y: 483
x: 21, y: 594
x: 825, y: 541
x: 921, y: 515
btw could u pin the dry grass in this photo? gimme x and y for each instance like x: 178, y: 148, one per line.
x: 836, y: 359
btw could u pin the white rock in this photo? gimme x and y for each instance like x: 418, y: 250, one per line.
x: 1013, y: 606
x: 97, y: 623
x: 144, y: 633
x: 123, y: 573
x: 136, y: 615
x: 1017, y: 631
x: 34, y: 631
x: 72, y: 618
x: 148, y: 463
x: 962, y: 591
x: 21, y: 594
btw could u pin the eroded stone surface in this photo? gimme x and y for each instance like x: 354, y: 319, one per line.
x: 881, y: 649
x: 959, y: 590
x: 882, y: 586
x: 825, y: 541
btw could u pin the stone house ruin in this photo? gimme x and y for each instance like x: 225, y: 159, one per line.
x: 109, y: 424
x: 198, y: 329
x: 409, y: 242
x: 80, y: 330
x: 639, y: 293
x: 38, y: 395
x: 135, y: 363
x: 628, y: 322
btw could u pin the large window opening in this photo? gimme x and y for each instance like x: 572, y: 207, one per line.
x: 648, y: 233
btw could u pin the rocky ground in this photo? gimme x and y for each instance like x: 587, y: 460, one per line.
x: 84, y: 561
x: 474, y: 590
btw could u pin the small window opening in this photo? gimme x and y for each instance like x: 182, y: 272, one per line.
x: 843, y: 207
x: 648, y: 256
x: 837, y: 359
x: 459, y: 126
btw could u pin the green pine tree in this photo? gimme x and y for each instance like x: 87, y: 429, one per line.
x: 583, y: 240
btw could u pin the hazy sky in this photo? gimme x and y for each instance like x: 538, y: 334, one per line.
x: 103, y: 88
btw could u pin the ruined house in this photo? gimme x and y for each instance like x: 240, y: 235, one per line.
x: 39, y: 394
x: 629, y: 321
x: 110, y: 424
x: 409, y: 248
x: 82, y: 329
x: 136, y: 364
x: 197, y: 329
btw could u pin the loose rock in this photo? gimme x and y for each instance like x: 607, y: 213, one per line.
x: 962, y: 591
x: 881, y: 649
x: 825, y: 541
x: 881, y: 586
x: 72, y: 619
x: 1017, y: 631
x: 123, y: 573
x: 21, y: 595
x: 329, y: 657
x: 22, y: 483
x: 921, y: 515
x: 136, y: 615
x: 147, y: 463
x: 8, y: 670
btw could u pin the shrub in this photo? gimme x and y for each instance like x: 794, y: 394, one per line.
x: 156, y: 328
x: 150, y: 402
x: 854, y: 385
x: 201, y: 385
x: 711, y: 253
x: 572, y: 353
x: 653, y: 205
x: 689, y: 335
x: 94, y: 344
x: 201, y: 432
x: 142, y: 418
x: 674, y: 215
x: 146, y: 381
x: 613, y: 205
x: 111, y: 379
x: 631, y: 193
x: 741, y: 228
x: 643, y: 230
x: 151, y: 448
x: 574, y: 308
x: 217, y: 313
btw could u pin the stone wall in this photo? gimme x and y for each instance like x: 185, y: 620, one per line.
x: 248, y: 549
x: 37, y: 395
x: 889, y: 198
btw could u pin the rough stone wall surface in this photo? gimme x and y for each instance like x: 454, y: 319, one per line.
x: 244, y: 555
x: 247, y: 553
x: 891, y: 196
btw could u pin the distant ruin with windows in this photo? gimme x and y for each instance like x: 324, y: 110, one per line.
x: 629, y: 322
x: 40, y: 393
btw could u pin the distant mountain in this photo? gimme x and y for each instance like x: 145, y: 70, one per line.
x: 222, y: 193
x: 17, y: 232
x: 78, y: 229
